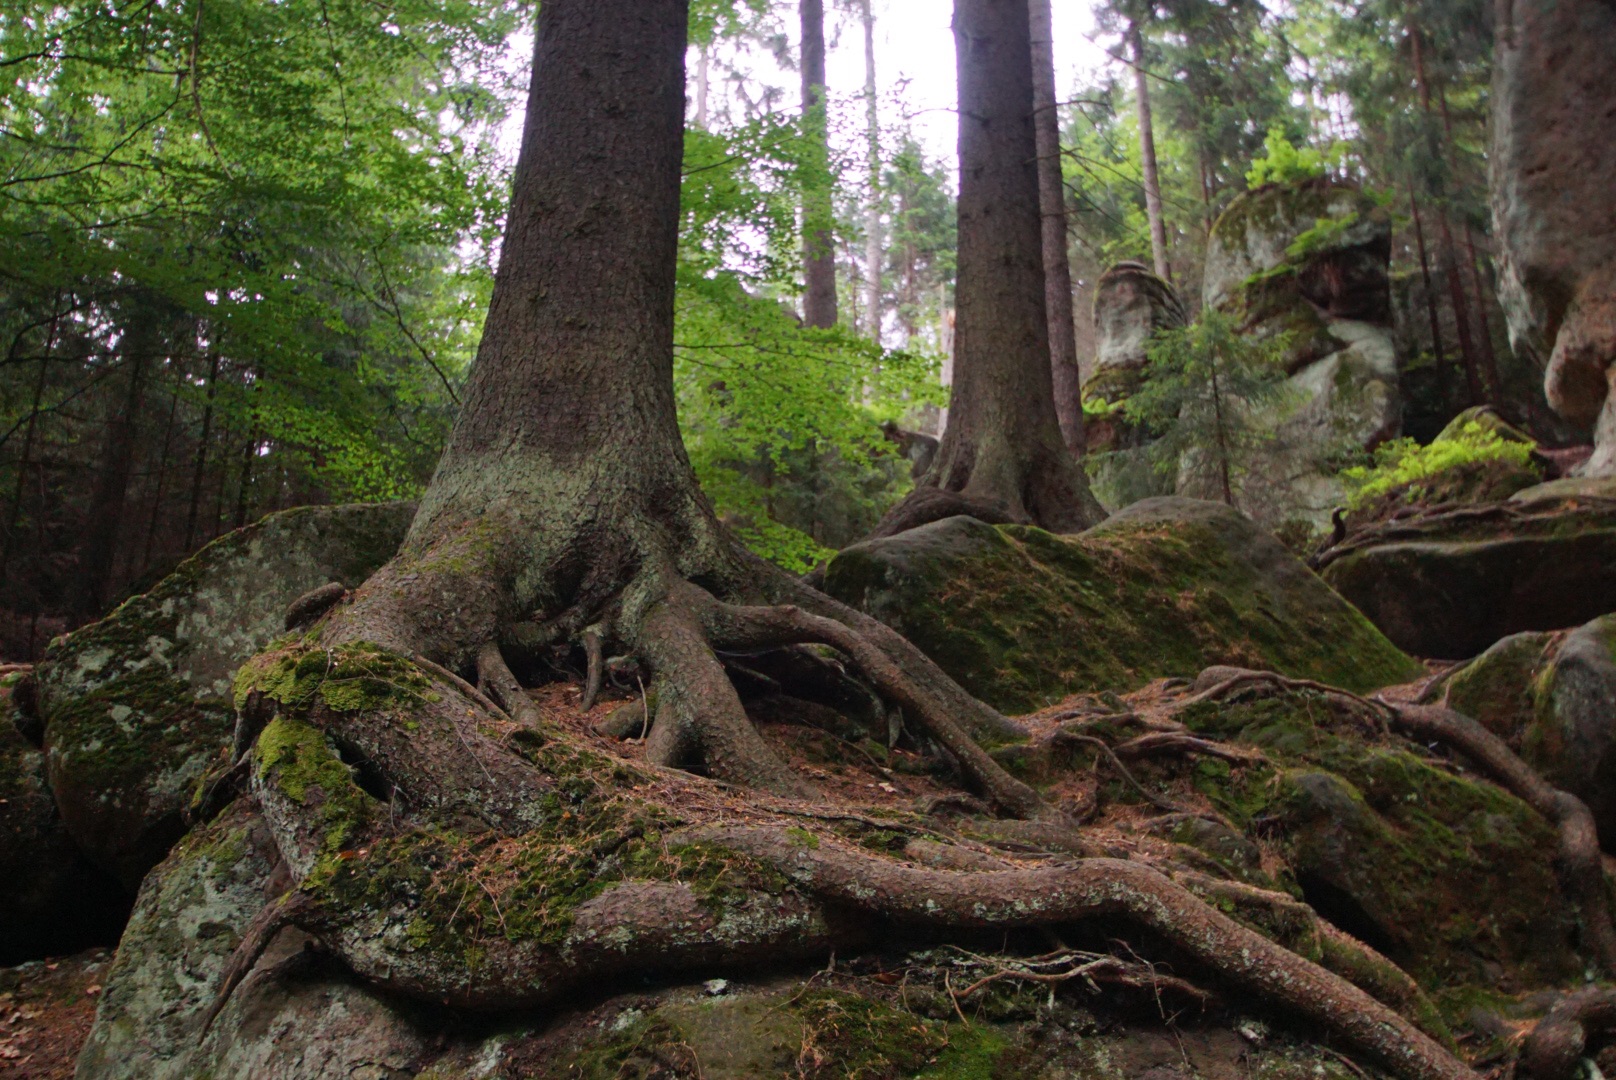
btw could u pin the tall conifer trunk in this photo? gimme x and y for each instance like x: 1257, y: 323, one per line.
x: 1002, y: 456
x: 1147, y: 155
x: 819, y: 246
x: 874, y: 244
x: 1052, y: 200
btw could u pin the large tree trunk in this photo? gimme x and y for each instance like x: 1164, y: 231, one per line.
x: 1002, y: 458
x: 1147, y: 155
x: 819, y: 246
x: 1052, y: 201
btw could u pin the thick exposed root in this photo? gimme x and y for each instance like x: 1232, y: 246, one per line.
x: 448, y: 853
x: 928, y: 504
x: 940, y: 899
x: 699, y: 721
x: 732, y: 626
x: 496, y: 680
x: 1581, y: 866
x: 1555, y: 1048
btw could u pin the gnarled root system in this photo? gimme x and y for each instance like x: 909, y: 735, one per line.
x: 447, y: 850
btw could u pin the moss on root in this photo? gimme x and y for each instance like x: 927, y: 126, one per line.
x: 459, y: 881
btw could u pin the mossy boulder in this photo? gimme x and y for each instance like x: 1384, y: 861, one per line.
x: 1553, y: 697
x: 137, y: 706
x: 1451, y: 589
x: 52, y: 900
x: 1447, y: 875
x: 1166, y: 587
x: 305, y: 1021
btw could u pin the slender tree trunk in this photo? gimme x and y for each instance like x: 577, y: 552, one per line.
x: 1425, y: 276
x: 1002, y: 457
x: 1489, y: 355
x: 1147, y: 154
x: 103, y: 524
x: 1225, y: 480
x: 819, y: 246
x: 703, y: 84
x: 1052, y: 203
x: 874, y: 244
x: 162, y: 471
x: 26, y: 459
x: 249, y: 457
x: 1450, y: 252
x: 199, y: 470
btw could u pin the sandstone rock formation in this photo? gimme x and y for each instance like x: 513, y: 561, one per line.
x: 1553, y: 156
x: 1130, y: 304
x: 1310, y: 261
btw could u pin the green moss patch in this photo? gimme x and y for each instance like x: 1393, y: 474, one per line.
x: 1394, y: 848
x: 1023, y: 618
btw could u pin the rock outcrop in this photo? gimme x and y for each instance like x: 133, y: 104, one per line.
x: 1393, y: 848
x: 1448, y: 583
x: 137, y: 707
x: 1130, y: 305
x: 1553, y: 697
x: 1166, y: 587
x: 1310, y: 261
x: 1553, y: 155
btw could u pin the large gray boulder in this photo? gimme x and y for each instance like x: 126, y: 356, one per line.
x: 1554, y: 209
x: 296, y: 1019
x: 137, y: 707
x: 52, y: 901
x: 1310, y: 261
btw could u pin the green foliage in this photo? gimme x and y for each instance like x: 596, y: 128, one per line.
x: 1213, y: 397
x: 1284, y: 163
x: 782, y: 423
x: 1404, y: 462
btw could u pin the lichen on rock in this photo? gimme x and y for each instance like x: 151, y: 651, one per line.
x: 137, y: 707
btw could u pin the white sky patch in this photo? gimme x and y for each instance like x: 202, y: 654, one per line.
x: 914, y: 57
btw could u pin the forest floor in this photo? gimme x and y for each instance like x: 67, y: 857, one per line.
x: 46, y: 1008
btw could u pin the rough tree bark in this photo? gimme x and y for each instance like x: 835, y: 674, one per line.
x: 1147, y: 154
x: 565, y: 507
x: 1002, y: 458
x: 1052, y: 201
x: 819, y: 246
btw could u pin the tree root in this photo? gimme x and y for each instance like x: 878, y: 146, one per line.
x: 405, y: 889
x: 940, y: 899
x: 496, y: 680
x: 735, y: 627
x: 1581, y: 865
x: 1555, y: 1047
x: 926, y: 505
